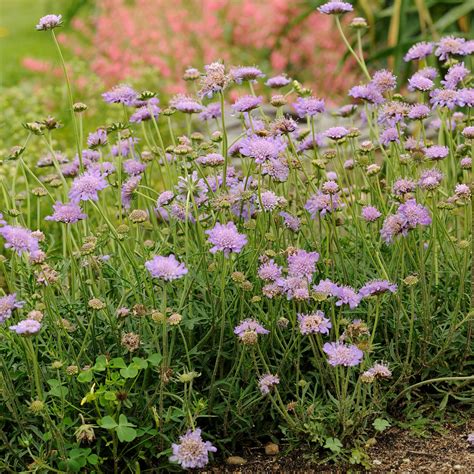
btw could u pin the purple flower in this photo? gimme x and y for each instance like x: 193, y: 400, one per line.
x: 436, y: 152
x: 346, y: 295
x: 212, y: 159
x: 2, y: 221
x: 249, y: 326
x: 419, y: 112
x: 302, y: 264
x: 165, y: 198
x: 245, y: 73
x: 368, y: 93
x: 166, y: 268
x: 414, y: 214
x: 295, y: 287
x: 27, y: 327
x: 451, y: 46
x: 7, y: 304
x: 309, y: 106
x: 335, y: 7
x: 310, y: 144
x: 96, y: 139
x: 325, y: 288
x: 384, y: 81
x: 377, y: 287
x: 419, y: 51
x: 225, y: 238
x: 19, y: 239
x: 403, y: 186
x: 214, y: 81
x: 291, y: 222
x: 393, y: 226
x: 277, y: 169
x: 466, y: 163
x: 128, y: 188
x: 339, y: 353
x: 68, y: 213
x: 468, y: 132
x: 462, y: 191
x: 321, y: 203
x: 212, y: 111
x: 444, y: 98
x: 266, y: 382
x: 262, y: 149
x: 418, y: 82
x: 270, y: 201
x: 428, y: 72
x: 377, y: 371
x: 276, y: 82
x: 146, y: 112
x: 86, y: 186
x: 465, y: 98
x: 269, y: 271
x: 186, y: 104
x: 121, y: 94
x: 192, y: 452
x: 49, y: 22
x: 314, y: 323
x: 133, y: 167
x: 370, y: 213
x: 390, y: 135
x: 247, y: 103
x: 455, y: 75
x: 124, y: 147
x: 336, y: 133
x: 430, y: 179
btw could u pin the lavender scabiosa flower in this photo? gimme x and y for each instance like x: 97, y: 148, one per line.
x: 19, y: 239
x: 9, y: 303
x: 302, y: 264
x: 277, y: 169
x: 309, y: 106
x: 377, y: 371
x: 212, y: 111
x: 192, y: 452
x: 214, y: 80
x: 291, y: 222
x: 393, y: 226
x: 310, y: 143
x: 466, y: 163
x: 247, y: 103
x: 450, y: 46
x: 468, y: 132
x: 370, y: 213
x: 314, y: 323
x: 295, y: 287
x: 455, y: 75
x: 49, y: 22
x: 368, y: 93
x: 96, y: 139
x: 321, y: 203
x: 262, y: 149
x: 384, y: 81
x: 133, y: 167
x: 164, y: 198
x: 428, y: 72
x: 377, y: 287
x: 186, y: 104
x: 2, y: 221
x: 267, y: 382
x: 277, y: 82
x: 403, y: 186
x: 465, y: 97
x: 325, y: 288
x: 418, y: 82
x: 436, y: 152
x: 419, y: 51
x: 462, y: 191
x: 393, y: 112
x: 414, y: 214
x: 430, y: 179
x: 336, y: 133
x: 245, y: 73
x: 27, y: 327
x: 67, y: 213
x: 335, y: 7
x: 211, y: 159
x: 444, y: 98
x: 166, y: 268
x: 225, y: 238
x: 419, y: 112
x: 346, y: 295
x: 86, y: 186
x: 270, y: 201
x: 128, y: 188
x: 144, y: 113
x: 339, y: 353
x: 269, y: 271
x: 121, y: 94
x: 390, y: 135
x: 248, y: 330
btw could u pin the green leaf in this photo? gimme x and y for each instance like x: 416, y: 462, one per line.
x: 129, y: 372
x: 107, y: 423
x: 333, y: 444
x: 100, y: 363
x: 380, y: 424
x: 126, y: 434
x: 123, y: 421
x: 117, y: 363
x: 155, y: 359
x: 85, y: 376
x: 140, y: 363
x: 93, y: 459
x: 110, y: 396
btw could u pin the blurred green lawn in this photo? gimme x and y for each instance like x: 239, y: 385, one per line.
x: 18, y: 37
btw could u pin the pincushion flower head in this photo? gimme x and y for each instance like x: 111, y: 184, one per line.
x: 27, y: 327
x: 86, y: 186
x: 192, y: 452
x: 384, y: 81
x: 166, y: 268
x: 419, y: 51
x: 49, y: 22
x: 419, y: 112
x: 403, y: 186
x: 8, y: 303
x: 346, y: 295
x: 245, y: 73
x: 186, y: 104
x: 346, y: 355
x: 370, y: 213
x: 121, y: 94
x: 212, y: 111
x: 335, y: 7
x: 291, y: 222
x: 144, y: 113
x: 214, y: 80
x: 336, y: 133
x: 368, y: 93
x: 436, y: 152
x: 248, y: 330
x: 19, y: 239
x: 97, y: 139
x: 276, y: 82
x: 302, y: 264
x: 314, y: 323
x: 309, y: 106
x: 266, y: 382
x: 269, y: 271
x: 377, y: 287
x: 377, y: 371
x: 322, y: 203
x: 456, y: 74
x: 226, y: 238
x: 262, y: 149
x: 451, y: 46
x: 444, y: 98
x: 418, y: 82
x: 247, y: 103
x: 67, y: 213
x: 128, y: 188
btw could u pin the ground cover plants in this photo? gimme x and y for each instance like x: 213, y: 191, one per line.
x: 174, y: 287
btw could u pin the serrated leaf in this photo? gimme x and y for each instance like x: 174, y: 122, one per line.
x: 380, y: 424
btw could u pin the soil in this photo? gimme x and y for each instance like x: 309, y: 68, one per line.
x: 395, y: 451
